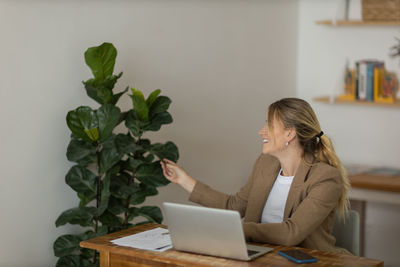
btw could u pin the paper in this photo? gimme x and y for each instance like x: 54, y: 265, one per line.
x: 157, y: 239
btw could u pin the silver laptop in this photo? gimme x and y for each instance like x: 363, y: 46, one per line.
x: 209, y: 231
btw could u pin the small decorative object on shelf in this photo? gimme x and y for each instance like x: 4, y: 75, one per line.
x: 387, y: 87
x: 349, y: 85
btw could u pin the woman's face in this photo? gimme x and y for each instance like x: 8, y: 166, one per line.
x: 273, y: 143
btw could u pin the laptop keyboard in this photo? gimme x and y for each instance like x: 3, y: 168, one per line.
x: 252, y: 252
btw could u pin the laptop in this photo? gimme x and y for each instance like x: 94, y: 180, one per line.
x: 209, y: 231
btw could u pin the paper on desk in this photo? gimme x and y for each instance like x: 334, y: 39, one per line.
x: 157, y: 239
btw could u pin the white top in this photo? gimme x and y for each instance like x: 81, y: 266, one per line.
x: 276, y: 202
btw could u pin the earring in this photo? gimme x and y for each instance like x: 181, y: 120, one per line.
x: 287, y: 143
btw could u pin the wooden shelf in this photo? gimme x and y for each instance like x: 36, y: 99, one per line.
x: 329, y: 100
x: 358, y: 23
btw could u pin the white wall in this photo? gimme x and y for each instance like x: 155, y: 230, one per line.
x: 366, y: 135
x: 221, y: 62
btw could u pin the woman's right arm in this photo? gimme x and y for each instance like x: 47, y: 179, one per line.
x: 204, y: 195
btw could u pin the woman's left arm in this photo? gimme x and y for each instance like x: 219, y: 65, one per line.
x: 322, y: 198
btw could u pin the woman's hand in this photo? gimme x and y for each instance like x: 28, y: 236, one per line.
x: 177, y: 175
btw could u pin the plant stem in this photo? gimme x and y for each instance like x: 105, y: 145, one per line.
x: 98, y: 197
x: 128, y: 200
x: 132, y: 179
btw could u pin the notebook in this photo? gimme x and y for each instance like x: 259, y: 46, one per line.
x: 209, y: 231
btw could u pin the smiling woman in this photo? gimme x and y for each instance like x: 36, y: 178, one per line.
x: 296, y: 186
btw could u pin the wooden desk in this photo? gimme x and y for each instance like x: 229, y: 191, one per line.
x: 374, y: 188
x: 116, y: 256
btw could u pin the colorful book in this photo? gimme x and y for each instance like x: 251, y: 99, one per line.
x: 362, y: 80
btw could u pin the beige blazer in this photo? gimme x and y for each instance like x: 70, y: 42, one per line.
x: 309, y: 211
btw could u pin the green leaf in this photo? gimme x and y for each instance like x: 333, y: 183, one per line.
x: 81, y: 216
x: 149, y: 158
x: 168, y: 150
x: 151, y: 174
x: 116, y: 206
x: 101, y: 60
x: 85, y: 199
x: 109, y: 219
x: 66, y: 245
x: 101, y: 230
x: 69, y: 261
x: 144, y: 191
x: 126, y: 144
x: 137, y: 199
x: 74, y: 261
x: 87, y: 253
x: 81, y: 152
x: 82, y: 181
x: 133, y: 123
x: 101, y: 90
x: 158, y: 120
x: 97, y: 92
x: 81, y: 120
x: 116, y: 97
x: 109, y: 83
x: 139, y: 105
x: 145, y: 144
x: 120, y: 186
x: 87, y: 263
x: 109, y: 155
x: 152, y: 97
x: 132, y: 213
x: 134, y: 163
x: 161, y: 104
x: 93, y: 134
x: 108, y: 117
x: 152, y: 213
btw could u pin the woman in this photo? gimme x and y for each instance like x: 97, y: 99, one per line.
x: 296, y: 186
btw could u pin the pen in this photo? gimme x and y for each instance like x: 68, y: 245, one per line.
x: 165, y: 234
x: 162, y: 247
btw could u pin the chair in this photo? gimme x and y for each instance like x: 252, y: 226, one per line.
x: 347, y: 233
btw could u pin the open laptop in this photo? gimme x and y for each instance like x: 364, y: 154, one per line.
x: 210, y: 231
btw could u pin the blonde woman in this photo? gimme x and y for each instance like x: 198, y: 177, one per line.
x: 295, y: 189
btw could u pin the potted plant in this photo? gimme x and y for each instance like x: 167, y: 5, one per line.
x: 112, y: 172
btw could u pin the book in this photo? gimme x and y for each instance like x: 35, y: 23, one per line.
x: 357, y: 76
x: 369, y: 80
x: 362, y: 79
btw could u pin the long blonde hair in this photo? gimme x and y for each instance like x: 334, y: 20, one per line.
x: 297, y: 114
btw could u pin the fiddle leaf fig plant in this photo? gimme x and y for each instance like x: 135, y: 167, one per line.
x: 113, y: 172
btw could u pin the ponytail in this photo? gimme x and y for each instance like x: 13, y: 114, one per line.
x: 326, y: 153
